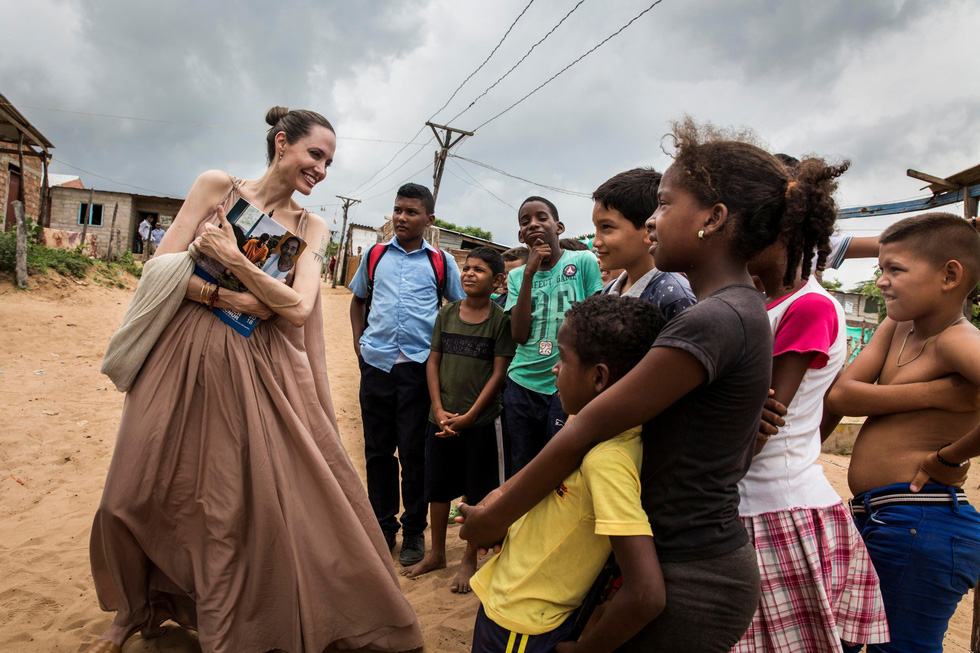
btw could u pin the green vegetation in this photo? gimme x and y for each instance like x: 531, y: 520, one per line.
x: 870, y: 289
x: 69, y: 263
x: 830, y: 284
x: 473, y: 231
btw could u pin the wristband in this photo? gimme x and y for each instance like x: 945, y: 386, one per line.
x: 947, y: 463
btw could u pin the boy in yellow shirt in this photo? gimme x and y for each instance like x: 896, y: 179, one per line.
x: 531, y: 590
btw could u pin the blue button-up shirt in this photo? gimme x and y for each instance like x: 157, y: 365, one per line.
x: 403, y: 309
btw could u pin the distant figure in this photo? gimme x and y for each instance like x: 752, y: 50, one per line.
x: 331, y: 265
x: 156, y: 237
x: 143, y: 231
x: 256, y: 249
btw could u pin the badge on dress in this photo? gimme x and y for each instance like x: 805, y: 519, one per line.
x: 545, y: 347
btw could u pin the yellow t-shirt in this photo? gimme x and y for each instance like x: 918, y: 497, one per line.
x: 552, y: 555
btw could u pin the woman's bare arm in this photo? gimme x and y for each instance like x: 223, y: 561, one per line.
x: 294, y: 303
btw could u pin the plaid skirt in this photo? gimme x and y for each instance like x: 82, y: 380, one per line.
x: 818, y: 583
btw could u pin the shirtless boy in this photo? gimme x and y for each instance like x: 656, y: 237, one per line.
x: 917, y: 381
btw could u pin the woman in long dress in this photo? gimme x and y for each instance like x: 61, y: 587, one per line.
x: 230, y: 505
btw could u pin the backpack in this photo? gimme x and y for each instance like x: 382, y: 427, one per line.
x: 437, y: 259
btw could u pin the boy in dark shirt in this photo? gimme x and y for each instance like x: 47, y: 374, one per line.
x: 471, y: 349
x: 622, y: 205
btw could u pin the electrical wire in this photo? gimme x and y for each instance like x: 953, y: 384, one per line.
x: 477, y: 184
x: 115, y: 181
x: 480, y: 67
x: 519, y: 62
x: 436, y: 112
x: 557, y: 189
x: 184, y: 122
x: 574, y: 61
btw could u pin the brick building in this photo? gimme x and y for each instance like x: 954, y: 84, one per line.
x: 23, y: 165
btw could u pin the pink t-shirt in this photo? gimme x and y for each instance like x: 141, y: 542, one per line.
x: 809, y: 325
x: 786, y: 474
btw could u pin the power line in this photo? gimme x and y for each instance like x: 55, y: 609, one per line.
x: 480, y: 67
x: 445, y: 104
x: 477, y: 184
x: 574, y: 61
x: 114, y: 116
x: 115, y: 181
x: 519, y: 62
x: 400, y: 166
x: 557, y: 189
x: 396, y: 186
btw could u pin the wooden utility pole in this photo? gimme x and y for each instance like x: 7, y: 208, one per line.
x: 88, y: 217
x: 338, y: 268
x: 112, y: 232
x: 448, y: 137
x: 20, y: 253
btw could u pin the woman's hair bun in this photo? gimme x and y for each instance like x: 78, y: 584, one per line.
x: 274, y: 115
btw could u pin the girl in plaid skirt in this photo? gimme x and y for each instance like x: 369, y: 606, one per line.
x: 818, y: 584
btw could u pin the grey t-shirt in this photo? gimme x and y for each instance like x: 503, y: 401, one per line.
x: 696, y: 451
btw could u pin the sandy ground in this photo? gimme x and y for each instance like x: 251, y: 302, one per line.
x: 62, y: 417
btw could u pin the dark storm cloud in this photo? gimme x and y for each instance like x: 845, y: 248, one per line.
x: 881, y: 83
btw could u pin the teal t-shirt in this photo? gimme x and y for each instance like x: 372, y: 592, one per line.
x: 575, y: 277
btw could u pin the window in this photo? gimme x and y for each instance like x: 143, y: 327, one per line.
x: 96, y: 214
x: 871, y: 305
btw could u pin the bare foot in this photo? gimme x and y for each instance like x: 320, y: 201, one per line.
x: 430, y: 562
x: 461, y: 584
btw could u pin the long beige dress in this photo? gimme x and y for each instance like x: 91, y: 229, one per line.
x: 231, y: 506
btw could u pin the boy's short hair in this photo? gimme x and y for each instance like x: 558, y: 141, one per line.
x: 489, y: 256
x: 516, y: 254
x: 418, y: 192
x: 940, y: 237
x: 633, y: 193
x: 546, y: 202
x: 573, y: 245
x: 617, y: 331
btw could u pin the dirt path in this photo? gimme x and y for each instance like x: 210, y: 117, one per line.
x: 62, y: 417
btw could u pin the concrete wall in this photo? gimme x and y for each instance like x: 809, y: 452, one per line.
x: 30, y: 178
x: 65, y: 205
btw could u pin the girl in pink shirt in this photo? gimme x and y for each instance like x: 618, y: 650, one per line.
x: 818, y: 584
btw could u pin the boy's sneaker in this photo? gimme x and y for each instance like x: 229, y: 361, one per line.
x: 413, y: 550
x: 453, y: 514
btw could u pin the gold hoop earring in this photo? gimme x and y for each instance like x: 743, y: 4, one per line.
x: 701, y: 234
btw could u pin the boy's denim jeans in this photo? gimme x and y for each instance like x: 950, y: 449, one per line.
x: 927, y: 558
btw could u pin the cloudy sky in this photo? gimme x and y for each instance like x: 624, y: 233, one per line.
x: 183, y: 86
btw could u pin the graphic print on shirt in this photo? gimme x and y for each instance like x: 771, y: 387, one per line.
x: 465, y: 345
x: 547, y: 313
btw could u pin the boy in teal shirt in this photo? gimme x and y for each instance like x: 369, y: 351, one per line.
x: 539, y: 294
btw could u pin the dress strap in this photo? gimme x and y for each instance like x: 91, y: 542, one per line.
x: 301, y: 225
x: 235, y: 186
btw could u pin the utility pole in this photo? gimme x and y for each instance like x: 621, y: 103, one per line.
x: 342, y: 263
x: 448, y: 139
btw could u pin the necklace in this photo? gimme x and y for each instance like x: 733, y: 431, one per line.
x: 898, y: 360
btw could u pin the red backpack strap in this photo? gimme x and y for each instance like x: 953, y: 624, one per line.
x: 437, y: 259
x: 373, y: 258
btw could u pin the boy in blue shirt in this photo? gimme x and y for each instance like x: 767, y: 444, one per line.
x: 397, y: 291
x: 538, y: 295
